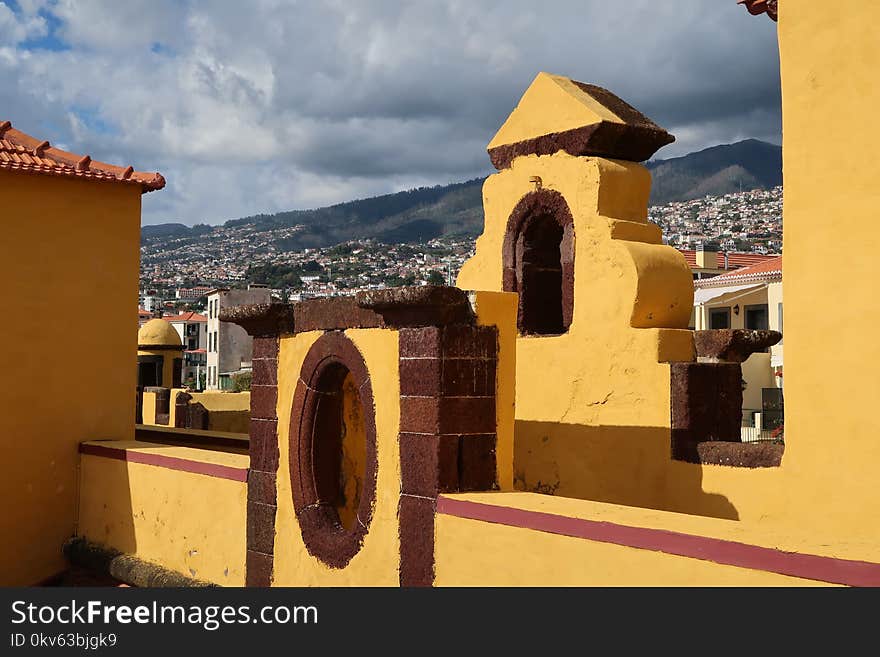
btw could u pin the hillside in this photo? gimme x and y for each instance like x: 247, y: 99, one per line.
x: 716, y: 171
x: 456, y: 210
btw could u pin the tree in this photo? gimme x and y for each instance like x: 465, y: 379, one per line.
x: 241, y: 381
x: 436, y: 278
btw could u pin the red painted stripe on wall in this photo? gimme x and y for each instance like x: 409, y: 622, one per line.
x: 168, y: 462
x: 730, y: 553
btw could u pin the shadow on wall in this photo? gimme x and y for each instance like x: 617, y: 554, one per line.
x: 620, y: 465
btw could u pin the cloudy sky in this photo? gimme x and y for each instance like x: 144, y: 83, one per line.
x: 269, y: 105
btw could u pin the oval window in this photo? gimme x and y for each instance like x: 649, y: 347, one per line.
x: 333, y: 450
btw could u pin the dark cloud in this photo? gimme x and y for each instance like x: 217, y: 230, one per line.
x: 266, y: 105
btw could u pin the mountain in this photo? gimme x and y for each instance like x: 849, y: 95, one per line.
x: 451, y: 210
x: 412, y: 216
x: 715, y: 171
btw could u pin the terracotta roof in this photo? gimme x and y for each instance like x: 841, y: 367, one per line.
x: 756, y: 7
x: 21, y: 152
x: 186, y: 317
x: 734, y: 260
x: 767, y: 270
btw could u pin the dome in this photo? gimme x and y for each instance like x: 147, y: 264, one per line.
x: 158, y: 333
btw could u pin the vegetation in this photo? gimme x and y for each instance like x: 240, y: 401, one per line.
x: 241, y: 381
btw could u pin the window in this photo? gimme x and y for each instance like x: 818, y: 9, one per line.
x: 719, y: 318
x: 757, y: 317
x: 779, y: 310
x: 333, y: 450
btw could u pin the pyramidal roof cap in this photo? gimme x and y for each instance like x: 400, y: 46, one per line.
x: 560, y: 114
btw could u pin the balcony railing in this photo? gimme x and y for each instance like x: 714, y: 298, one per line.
x: 762, y: 425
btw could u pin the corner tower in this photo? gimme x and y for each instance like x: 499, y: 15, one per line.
x: 603, y: 304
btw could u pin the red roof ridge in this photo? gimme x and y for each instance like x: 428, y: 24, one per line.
x: 20, y: 151
x: 189, y: 316
x: 771, y: 267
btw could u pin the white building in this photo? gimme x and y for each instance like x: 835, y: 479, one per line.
x: 749, y: 298
x: 230, y: 348
x: 193, y: 331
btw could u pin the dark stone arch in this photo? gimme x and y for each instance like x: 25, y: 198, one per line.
x: 538, y: 261
x: 316, y: 444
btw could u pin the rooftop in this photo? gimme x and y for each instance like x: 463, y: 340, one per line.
x: 21, y: 152
x: 768, y: 269
x: 186, y: 317
x: 734, y: 260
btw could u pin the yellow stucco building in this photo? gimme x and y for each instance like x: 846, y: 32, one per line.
x: 71, y: 233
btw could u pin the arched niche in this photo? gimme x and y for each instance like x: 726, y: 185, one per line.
x: 538, y: 256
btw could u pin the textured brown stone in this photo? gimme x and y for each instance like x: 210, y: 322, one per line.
x: 416, y: 528
x: 264, y: 445
x: 431, y: 464
x: 467, y: 415
x: 264, y: 399
x: 420, y: 376
x: 706, y: 400
x: 108, y: 562
x: 464, y: 340
x: 424, y: 305
x: 605, y: 139
x: 258, y: 572
x: 261, y: 487
x: 733, y: 345
x: 477, y: 467
x: 420, y: 342
x: 420, y: 415
x: 333, y: 314
x: 741, y: 455
x: 261, y: 320
x: 261, y: 527
x: 265, y: 372
x: 265, y: 348
x: 467, y: 376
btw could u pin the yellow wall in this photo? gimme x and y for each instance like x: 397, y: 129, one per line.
x: 191, y: 523
x: 227, y: 411
x: 605, y: 370
x: 829, y: 65
x: 477, y: 553
x: 376, y: 564
x: 499, y: 309
x: 69, y: 262
x: 757, y: 373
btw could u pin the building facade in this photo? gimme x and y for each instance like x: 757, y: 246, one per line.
x: 192, y: 328
x: 230, y: 348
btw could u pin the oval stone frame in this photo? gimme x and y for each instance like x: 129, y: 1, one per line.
x: 325, y: 366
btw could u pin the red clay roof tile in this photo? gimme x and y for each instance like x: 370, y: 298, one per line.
x: 186, y: 317
x: 21, y: 152
x: 734, y: 260
x: 770, y: 268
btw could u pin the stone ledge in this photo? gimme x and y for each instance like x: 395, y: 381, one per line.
x: 262, y: 319
x: 732, y: 345
x: 741, y: 455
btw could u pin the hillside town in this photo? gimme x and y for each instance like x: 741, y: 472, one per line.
x: 176, y: 272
